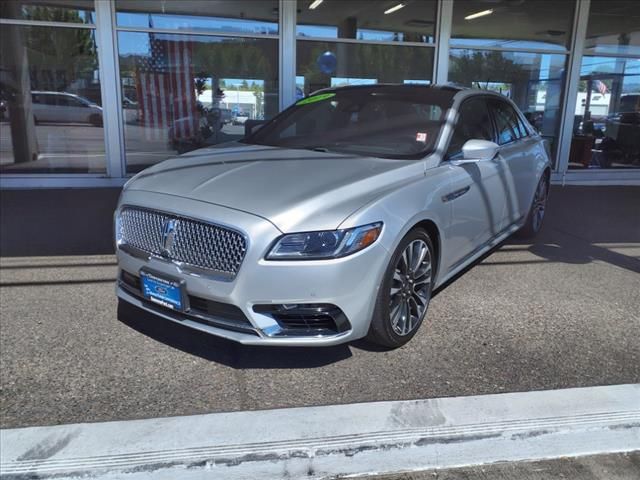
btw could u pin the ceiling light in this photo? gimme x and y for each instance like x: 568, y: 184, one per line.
x: 315, y: 4
x: 479, y: 14
x: 394, y: 9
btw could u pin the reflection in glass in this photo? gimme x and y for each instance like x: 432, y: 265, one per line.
x: 74, y: 11
x: 533, y: 81
x: 521, y: 24
x: 614, y: 27
x: 231, y: 16
x: 606, y: 131
x: 50, y: 118
x: 371, y: 20
x: 183, y: 92
x: 331, y: 64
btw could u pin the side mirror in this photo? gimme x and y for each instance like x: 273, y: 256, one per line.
x: 251, y: 126
x: 478, y: 151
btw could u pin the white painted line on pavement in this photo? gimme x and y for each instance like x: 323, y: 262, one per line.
x: 319, y: 442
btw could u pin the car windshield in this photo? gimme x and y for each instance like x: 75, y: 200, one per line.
x: 387, y: 122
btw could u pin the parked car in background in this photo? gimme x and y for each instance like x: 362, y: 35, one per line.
x: 226, y: 117
x: 61, y: 107
x: 336, y: 219
x: 240, y: 118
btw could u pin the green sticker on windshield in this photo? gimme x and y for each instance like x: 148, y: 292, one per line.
x: 315, y: 98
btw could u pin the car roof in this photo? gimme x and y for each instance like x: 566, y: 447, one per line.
x: 44, y: 92
x: 393, y: 87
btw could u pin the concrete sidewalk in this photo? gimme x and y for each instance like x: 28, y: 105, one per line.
x: 334, y: 441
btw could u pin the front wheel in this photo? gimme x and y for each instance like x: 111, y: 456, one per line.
x: 533, y: 223
x: 405, y: 291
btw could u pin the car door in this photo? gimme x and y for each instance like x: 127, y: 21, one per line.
x: 47, y: 111
x: 72, y: 109
x: 516, y: 157
x: 477, y: 192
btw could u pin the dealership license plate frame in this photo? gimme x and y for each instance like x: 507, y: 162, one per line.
x: 174, y: 297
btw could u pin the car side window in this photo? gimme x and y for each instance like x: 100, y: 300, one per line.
x: 508, y: 124
x: 49, y: 99
x: 474, y: 123
x: 65, y: 101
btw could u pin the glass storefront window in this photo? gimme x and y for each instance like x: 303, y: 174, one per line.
x: 50, y: 114
x: 522, y: 24
x: 371, y: 20
x: 332, y: 64
x: 73, y: 11
x: 613, y: 27
x: 233, y: 16
x: 534, y: 81
x: 606, y: 130
x: 183, y: 92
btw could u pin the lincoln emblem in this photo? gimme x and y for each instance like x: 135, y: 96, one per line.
x: 168, y: 236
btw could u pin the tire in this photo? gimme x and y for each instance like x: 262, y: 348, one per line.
x: 535, y: 217
x: 389, y: 327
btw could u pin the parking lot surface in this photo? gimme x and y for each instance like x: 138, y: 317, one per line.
x: 563, y: 311
x: 621, y: 466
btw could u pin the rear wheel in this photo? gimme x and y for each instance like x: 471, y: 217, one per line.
x: 403, y: 298
x: 534, y: 220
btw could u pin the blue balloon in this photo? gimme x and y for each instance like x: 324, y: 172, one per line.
x: 327, y: 63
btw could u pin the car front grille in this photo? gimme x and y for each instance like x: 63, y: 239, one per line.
x: 182, y: 239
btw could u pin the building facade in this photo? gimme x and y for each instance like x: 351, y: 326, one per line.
x: 93, y: 91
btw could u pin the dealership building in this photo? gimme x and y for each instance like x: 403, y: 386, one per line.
x: 93, y: 91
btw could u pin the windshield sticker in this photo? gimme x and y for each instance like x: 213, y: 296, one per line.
x: 421, y: 137
x: 315, y: 98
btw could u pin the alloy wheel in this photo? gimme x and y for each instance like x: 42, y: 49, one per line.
x: 410, y: 287
x: 540, y: 203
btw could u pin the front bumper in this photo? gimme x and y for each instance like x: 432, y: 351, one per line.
x: 348, y: 283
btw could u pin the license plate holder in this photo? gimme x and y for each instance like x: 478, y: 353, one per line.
x: 163, y: 290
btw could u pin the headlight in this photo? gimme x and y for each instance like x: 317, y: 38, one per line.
x: 117, y: 227
x: 324, y: 245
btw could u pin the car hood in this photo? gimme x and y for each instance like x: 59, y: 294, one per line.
x: 296, y: 190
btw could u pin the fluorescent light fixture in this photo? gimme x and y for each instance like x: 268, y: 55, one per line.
x: 315, y: 4
x: 479, y: 14
x: 394, y: 9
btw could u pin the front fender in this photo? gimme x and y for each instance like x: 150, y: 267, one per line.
x: 403, y: 208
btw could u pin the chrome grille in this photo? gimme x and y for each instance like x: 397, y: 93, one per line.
x: 196, y: 243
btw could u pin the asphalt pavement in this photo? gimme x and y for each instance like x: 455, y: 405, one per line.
x: 620, y: 466
x: 563, y: 311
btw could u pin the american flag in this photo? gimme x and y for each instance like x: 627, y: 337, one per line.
x: 166, y: 88
x: 601, y: 87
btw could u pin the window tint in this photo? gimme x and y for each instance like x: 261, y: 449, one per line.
x: 49, y: 99
x: 474, y: 123
x: 398, y: 123
x: 507, y: 122
x: 65, y: 101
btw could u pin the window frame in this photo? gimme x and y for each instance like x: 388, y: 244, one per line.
x: 484, y: 97
x: 517, y: 134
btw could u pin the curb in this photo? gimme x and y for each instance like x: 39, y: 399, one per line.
x: 336, y: 440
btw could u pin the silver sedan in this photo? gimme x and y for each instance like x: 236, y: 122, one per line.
x: 333, y: 221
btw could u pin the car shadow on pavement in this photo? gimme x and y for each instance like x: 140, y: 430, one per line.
x: 224, y: 351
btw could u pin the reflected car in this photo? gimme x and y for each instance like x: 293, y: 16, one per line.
x: 333, y: 221
x: 240, y: 118
x: 62, y: 107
